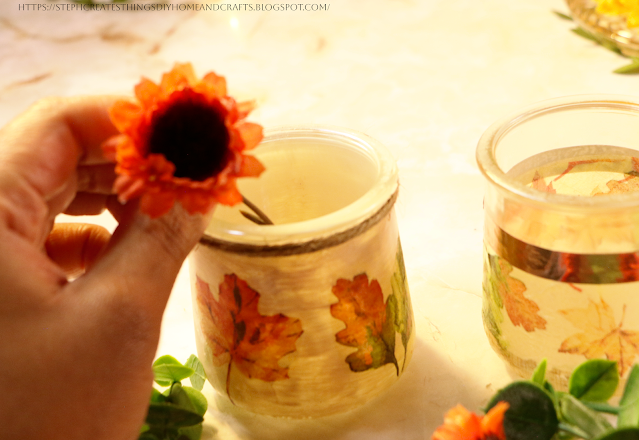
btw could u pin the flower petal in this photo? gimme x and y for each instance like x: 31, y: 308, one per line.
x: 147, y: 92
x: 125, y: 115
x: 215, y: 83
x: 227, y: 194
x: 159, y: 167
x: 244, y: 108
x: 459, y: 424
x: 493, y: 421
x: 448, y: 432
x: 158, y: 203
x: 196, y: 201
x: 180, y: 77
x: 144, y: 171
x: 250, y: 133
x: 128, y: 188
x: 251, y: 167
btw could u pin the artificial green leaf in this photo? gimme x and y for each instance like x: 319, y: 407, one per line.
x: 549, y: 388
x: 602, y: 407
x: 199, y: 376
x: 554, y: 395
x: 629, y: 403
x: 177, y: 396
x: 168, y: 415
x: 562, y: 15
x: 158, y: 433
x: 629, y: 69
x: 569, y: 432
x: 157, y: 397
x: 594, y: 380
x: 191, y: 432
x: 167, y: 370
x: 531, y: 414
x: 539, y: 375
x: 621, y: 434
x: 610, y: 46
x: 198, y: 400
x: 585, y: 34
x: 577, y: 414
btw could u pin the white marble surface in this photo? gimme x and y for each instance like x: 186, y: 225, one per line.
x: 426, y: 77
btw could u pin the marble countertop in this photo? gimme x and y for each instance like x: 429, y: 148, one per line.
x: 425, y: 77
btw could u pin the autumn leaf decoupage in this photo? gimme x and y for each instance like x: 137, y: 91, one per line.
x: 601, y: 335
x: 501, y: 290
x: 242, y: 337
x: 371, y: 323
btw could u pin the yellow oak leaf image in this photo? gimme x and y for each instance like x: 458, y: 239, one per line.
x: 601, y: 335
x: 521, y: 310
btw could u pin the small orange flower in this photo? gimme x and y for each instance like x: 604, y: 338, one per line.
x: 461, y: 424
x: 182, y: 140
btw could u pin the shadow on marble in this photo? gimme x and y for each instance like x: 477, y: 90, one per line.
x: 404, y: 411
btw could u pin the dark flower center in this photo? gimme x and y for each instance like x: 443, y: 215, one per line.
x: 191, y: 134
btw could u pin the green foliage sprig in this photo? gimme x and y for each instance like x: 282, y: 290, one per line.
x: 177, y: 412
x: 537, y: 411
x: 632, y: 68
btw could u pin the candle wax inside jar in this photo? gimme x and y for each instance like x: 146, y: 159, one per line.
x: 577, y: 171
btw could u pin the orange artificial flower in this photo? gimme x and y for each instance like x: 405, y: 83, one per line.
x: 461, y: 424
x: 182, y: 140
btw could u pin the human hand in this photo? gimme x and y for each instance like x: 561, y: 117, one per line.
x: 76, y: 356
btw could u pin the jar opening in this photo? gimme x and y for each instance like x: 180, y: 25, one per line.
x: 318, y: 181
x: 575, y: 134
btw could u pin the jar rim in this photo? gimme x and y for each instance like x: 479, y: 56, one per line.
x: 381, y: 191
x: 487, y: 162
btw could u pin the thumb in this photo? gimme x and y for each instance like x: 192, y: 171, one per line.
x: 144, y: 256
x: 76, y: 246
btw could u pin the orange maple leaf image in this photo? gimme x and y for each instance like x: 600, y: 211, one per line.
x: 572, y: 165
x: 601, y: 335
x: 240, y: 336
x: 369, y: 323
x: 521, y: 310
x: 629, y: 184
x: 538, y: 183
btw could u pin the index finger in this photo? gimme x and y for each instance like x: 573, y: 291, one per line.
x: 40, y: 151
x: 46, y: 143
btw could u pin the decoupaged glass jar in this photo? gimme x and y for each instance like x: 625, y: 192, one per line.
x: 310, y: 316
x: 561, y: 267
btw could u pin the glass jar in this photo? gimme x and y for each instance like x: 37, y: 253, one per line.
x: 310, y: 316
x: 562, y: 234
